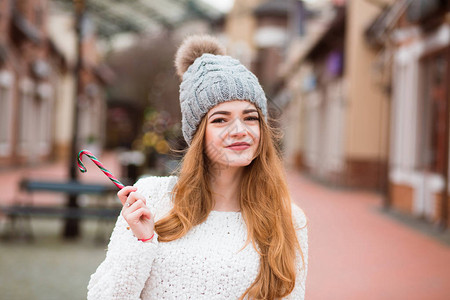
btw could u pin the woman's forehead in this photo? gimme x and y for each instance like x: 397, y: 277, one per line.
x: 233, y: 106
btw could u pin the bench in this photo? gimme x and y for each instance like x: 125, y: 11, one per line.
x: 21, y: 211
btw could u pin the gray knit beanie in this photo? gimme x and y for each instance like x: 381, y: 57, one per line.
x: 209, y: 78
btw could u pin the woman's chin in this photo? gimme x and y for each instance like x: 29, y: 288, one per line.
x: 236, y: 163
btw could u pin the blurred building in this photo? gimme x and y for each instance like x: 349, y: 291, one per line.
x: 413, y: 40
x: 94, y: 75
x: 36, y: 81
x: 29, y: 63
x: 239, y: 29
x: 335, y: 116
x: 270, y: 38
x: 256, y: 33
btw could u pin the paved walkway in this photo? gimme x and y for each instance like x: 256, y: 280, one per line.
x: 51, y: 268
x: 358, y: 252
x: 355, y: 250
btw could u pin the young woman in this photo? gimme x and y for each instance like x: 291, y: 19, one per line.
x: 225, y: 226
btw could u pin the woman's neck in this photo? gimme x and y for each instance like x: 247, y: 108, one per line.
x: 225, y: 184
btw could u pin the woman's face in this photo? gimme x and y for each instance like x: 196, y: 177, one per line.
x: 232, y: 133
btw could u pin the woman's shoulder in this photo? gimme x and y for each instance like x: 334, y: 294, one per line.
x: 298, y: 216
x: 152, y: 184
x: 157, y: 192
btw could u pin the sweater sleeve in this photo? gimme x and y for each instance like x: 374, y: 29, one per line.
x: 128, y: 262
x: 300, y: 223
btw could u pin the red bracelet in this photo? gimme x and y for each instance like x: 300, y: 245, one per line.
x: 146, y: 240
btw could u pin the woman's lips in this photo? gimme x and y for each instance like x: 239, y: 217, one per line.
x: 238, y: 147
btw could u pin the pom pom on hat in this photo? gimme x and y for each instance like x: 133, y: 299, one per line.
x: 194, y: 47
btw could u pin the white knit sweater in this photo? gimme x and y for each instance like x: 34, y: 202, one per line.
x: 204, y: 264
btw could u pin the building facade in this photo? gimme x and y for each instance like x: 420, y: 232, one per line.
x: 28, y: 77
x: 341, y: 133
x: 414, y: 36
x: 37, y: 86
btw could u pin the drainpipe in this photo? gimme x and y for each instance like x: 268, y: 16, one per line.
x: 444, y: 203
x: 386, y: 188
x: 389, y: 49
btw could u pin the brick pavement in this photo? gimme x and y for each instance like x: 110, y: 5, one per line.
x: 355, y: 250
x: 358, y: 252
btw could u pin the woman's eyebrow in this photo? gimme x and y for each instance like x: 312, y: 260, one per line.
x: 223, y: 112
x: 220, y: 112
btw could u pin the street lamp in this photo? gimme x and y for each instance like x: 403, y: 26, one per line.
x: 72, y: 227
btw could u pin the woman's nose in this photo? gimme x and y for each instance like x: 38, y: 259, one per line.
x: 238, y: 128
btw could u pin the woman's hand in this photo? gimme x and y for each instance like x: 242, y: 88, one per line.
x: 136, y: 212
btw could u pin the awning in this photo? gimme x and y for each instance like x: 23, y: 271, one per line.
x: 376, y: 31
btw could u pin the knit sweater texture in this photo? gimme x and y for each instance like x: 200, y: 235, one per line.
x: 207, y: 263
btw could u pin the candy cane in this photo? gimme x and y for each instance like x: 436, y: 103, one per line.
x: 100, y: 165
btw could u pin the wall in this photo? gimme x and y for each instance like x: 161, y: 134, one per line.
x: 368, y: 112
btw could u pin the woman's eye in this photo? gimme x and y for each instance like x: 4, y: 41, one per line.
x: 222, y: 120
x: 252, y: 118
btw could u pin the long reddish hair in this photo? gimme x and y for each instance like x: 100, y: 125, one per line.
x: 265, y: 205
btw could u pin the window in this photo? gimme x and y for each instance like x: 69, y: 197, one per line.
x: 44, y: 108
x: 26, y: 138
x: 6, y: 83
x: 36, y: 106
x: 435, y: 82
x: 90, y: 115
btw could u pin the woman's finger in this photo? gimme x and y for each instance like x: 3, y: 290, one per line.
x: 147, y: 213
x: 139, y: 213
x: 123, y: 193
x: 132, y: 198
x: 135, y: 206
x: 127, y: 210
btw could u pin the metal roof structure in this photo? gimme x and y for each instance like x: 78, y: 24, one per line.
x: 138, y: 16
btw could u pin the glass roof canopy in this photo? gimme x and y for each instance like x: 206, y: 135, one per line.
x: 120, y: 16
